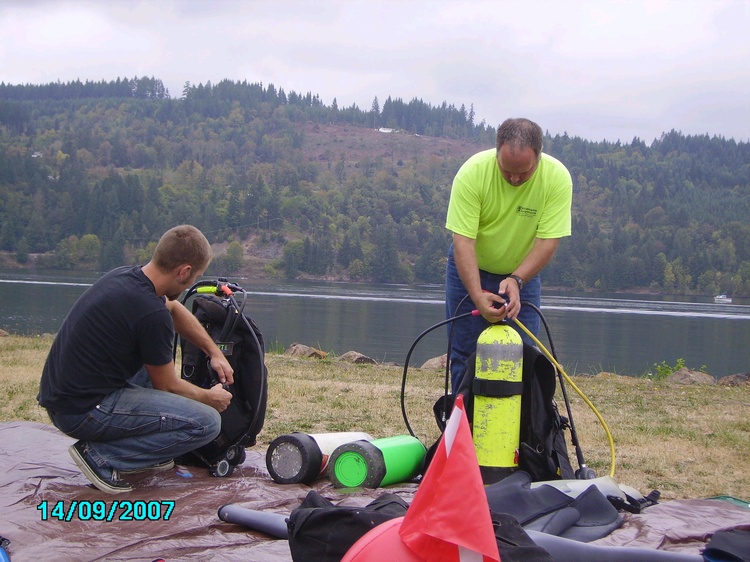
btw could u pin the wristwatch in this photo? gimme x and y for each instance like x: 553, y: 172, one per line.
x: 518, y: 280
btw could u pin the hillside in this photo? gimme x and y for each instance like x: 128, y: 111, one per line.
x: 327, y: 144
x: 92, y: 174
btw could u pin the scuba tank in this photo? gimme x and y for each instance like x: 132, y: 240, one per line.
x: 297, y: 458
x: 372, y: 464
x: 498, y: 387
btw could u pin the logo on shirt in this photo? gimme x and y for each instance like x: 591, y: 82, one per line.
x: 525, y: 211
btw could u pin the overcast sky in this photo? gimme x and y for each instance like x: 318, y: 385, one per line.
x: 597, y: 69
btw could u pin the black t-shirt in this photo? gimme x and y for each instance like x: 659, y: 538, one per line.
x: 117, y: 326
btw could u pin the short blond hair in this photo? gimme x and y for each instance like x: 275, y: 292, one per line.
x: 182, y: 245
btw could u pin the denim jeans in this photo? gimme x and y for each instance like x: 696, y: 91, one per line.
x: 463, y: 333
x: 138, y: 426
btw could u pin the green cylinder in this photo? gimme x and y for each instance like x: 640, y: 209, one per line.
x: 372, y: 464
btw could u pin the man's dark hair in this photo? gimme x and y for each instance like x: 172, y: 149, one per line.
x: 520, y: 134
x: 182, y: 245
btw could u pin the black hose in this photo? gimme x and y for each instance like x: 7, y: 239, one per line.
x: 406, y: 364
x: 573, y: 433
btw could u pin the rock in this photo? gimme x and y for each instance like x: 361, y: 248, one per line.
x: 4, y: 334
x: 608, y: 375
x: 687, y: 376
x: 300, y: 350
x: 358, y: 358
x: 436, y: 363
x: 735, y: 380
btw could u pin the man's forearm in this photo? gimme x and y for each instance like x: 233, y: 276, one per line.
x: 163, y: 377
x: 464, y: 253
x: 538, y: 258
x: 189, y: 328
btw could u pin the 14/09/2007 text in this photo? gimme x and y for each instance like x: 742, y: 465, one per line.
x: 117, y: 510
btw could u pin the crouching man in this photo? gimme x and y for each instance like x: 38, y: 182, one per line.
x: 110, y: 381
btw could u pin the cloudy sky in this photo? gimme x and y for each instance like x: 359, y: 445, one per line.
x: 598, y: 69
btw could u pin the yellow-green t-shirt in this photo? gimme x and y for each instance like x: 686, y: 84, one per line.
x: 504, y: 219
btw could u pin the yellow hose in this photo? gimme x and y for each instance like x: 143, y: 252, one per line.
x: 580, y: 393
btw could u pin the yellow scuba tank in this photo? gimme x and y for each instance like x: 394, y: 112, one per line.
x: 498, y: 386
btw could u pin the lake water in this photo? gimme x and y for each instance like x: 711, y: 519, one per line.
x: 591, y: 333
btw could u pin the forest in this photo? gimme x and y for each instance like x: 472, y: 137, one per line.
x: 91, y: 174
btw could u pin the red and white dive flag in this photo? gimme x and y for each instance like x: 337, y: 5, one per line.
x: 449, y: 518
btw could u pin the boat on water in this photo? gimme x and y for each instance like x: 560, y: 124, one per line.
x: 722, y: 299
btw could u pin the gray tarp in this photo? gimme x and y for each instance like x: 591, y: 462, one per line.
x: 36, y: 473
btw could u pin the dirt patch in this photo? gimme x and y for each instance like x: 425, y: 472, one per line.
x: 330, y: 142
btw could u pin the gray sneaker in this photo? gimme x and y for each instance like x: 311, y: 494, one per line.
x: 161, y: 467
x: 105, y: 479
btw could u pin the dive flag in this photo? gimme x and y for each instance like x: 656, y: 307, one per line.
x: 449, y: 518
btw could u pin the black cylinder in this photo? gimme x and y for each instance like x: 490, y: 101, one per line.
x: 293, y: 459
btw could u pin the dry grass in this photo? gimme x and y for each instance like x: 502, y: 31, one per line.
x: 21, y: 363
x: 316, y: 396
x: 686, y: 441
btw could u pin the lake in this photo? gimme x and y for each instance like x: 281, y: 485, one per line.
x: 625, y: 334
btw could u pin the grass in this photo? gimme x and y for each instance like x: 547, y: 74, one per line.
x: 687, y: 441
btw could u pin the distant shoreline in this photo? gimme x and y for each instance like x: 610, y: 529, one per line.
x: 257, y: 270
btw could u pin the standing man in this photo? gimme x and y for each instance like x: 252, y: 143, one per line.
x: 508, y: 209
x: 110, y: 381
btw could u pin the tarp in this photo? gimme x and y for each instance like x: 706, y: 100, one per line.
x: 39, y: 483
x: 36, y: 472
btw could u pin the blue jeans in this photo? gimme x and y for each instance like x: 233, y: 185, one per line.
x: 463, y: 339
x: 137, y: 426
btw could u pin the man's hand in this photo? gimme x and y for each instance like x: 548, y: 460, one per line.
x: 509, y: 288
x: 222, y: 368
x: 540, y: 255
x: 492, y: 307
x: 163, y: 377
x: 218, y: 398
